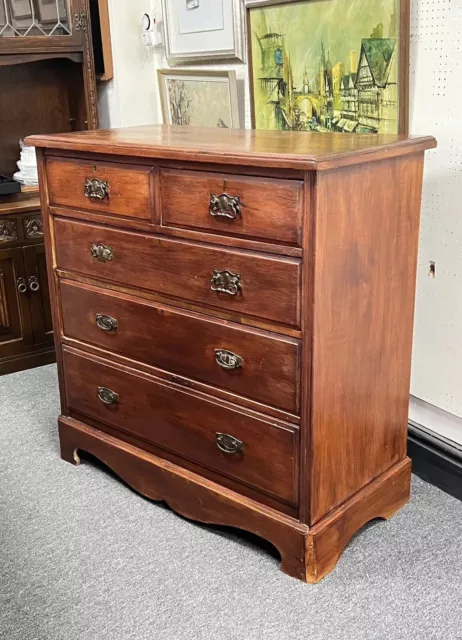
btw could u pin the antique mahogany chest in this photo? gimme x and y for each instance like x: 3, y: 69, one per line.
x: 233, y: 316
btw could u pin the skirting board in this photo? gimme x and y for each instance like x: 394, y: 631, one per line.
x: 436, y: 459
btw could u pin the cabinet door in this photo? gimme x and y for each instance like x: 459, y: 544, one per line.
x: 38, y: 293
x: 15, y: 324
x: 36, y: 25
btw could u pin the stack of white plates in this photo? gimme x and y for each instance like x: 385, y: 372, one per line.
x: 27, y: 166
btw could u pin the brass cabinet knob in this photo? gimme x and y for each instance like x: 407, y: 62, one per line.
x: 224, y: 206
x: 106, y: 323
x: 21, y: 285
x: 107, y: 396
x: 102, y: 252
x: 227, y: 359
x: 95, y: 189
x: 226, y: 282
x: 228, y: 444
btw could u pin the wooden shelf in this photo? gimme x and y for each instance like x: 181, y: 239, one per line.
x: 19, y: 202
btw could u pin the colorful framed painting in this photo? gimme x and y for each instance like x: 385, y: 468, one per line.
x: 199, y: 98
x: 203, y: 30
x: 329, y: 66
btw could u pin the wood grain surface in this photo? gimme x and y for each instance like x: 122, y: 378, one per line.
x: 129, y: 187
x: 287, y: 150
x: 185, y: 343
x: 364, y: 283
x: 185, y: 423
x: 270, y: 285
x: 269, y: 209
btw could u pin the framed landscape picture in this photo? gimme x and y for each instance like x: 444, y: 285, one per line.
x: 203, y: 30
x: 329, y: 65
x: 199, y: 98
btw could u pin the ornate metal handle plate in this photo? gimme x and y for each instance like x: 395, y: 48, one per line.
x: 227, y: 359
x: 224, y: 206
x: 96, y: 189
x: 107, y: 396
x: 226, y: 282
x: 21, y: 285
x: 106, y: 323
x: 102, y: 252
x: 228, y: 444
x: 34, y: 284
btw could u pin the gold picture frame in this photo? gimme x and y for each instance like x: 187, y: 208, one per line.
x: 355, y: 78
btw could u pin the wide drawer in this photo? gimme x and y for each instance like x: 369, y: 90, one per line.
x: 239, y: 281
x: 105, y: 187
x: 241, y: 446
x: 260, y: 208
x: 261, y: 366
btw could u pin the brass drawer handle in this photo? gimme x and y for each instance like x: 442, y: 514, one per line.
x: 96, y: 189
x: 224, y: 206
x: 34, y: 284
x: 106, y: 323
x: 21, y: 285
x: 227, y: 359
x: 102, y: 252
x: 107, y: 396
x: 228, y: 444
x: 226, y: 282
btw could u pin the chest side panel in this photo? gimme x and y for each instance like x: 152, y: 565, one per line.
x: 367, y: 228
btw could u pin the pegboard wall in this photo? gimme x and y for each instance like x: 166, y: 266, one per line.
x: 436, y: 98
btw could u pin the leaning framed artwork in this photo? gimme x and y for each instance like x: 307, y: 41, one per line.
x: 328, y: 65
x: 199, y: 98
x: 203, y: 30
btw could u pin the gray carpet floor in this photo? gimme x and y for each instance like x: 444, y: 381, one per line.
x: 82, y: 557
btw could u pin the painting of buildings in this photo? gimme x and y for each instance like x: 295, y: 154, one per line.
x: 319, y: 66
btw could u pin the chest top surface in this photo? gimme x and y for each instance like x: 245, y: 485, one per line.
x: 273, y: 149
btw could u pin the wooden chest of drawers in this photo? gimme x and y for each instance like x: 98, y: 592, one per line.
x: 233, y: 316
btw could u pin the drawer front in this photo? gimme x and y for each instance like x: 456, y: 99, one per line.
x: 242, y: 282
x: 119, y: 189
x: 9, y: 231
x: 259, y: 208
x: 185, y: 424
x: 261, y: 366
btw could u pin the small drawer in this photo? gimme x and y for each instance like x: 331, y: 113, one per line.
x: 212, y: 434
x: 105, y: 187
x: 238, y: 281
x: 256, y: 364
x: 32, y: 227
x: 258, y: 208
x: 9, y: 231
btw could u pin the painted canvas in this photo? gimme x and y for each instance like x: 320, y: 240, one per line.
x: 207, y: 100
x: 326, y: 65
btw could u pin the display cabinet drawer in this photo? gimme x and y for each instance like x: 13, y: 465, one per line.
x: 258, y: 208
x: 103, y: 187
x: 242, y: 282
x: 260, y: 365
x: 243, y: 446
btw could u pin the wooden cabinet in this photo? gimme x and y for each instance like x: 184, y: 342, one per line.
x: 26, y: 331
x: 48, y: 85
x: 47, y: 72
x: 233, y: 318
x: 36, y: 24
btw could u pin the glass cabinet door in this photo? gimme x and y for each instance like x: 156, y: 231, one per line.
x: 21, y: 20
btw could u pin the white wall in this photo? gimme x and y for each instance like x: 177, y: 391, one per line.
x: 131, y: 97
x: 436, y: 92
